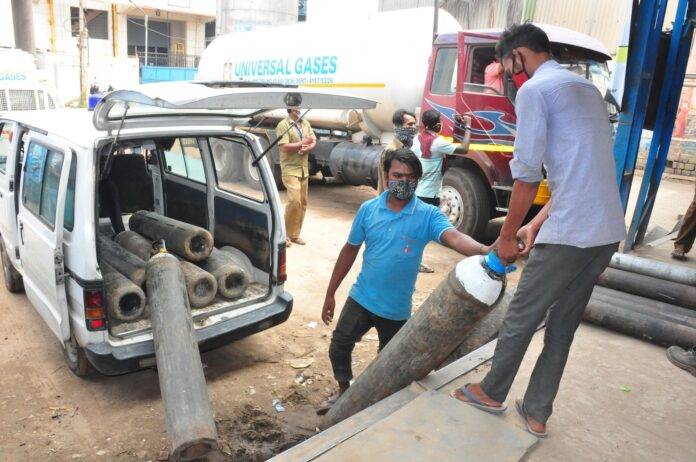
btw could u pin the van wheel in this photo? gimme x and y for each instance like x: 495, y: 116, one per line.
x: 76, y: 358
x: 10, y: 276
x: 465, y: 201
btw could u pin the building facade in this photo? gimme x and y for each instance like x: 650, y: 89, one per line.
x: 178, y: 32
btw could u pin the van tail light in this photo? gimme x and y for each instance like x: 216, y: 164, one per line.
x: 282, y: 274
x: 95, y: 314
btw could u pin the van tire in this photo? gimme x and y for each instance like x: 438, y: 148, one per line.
x: 10, y: 276
x: 466, y: 190
x: 76, y: 358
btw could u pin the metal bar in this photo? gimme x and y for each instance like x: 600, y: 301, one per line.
x: 647, y: 19
x: 677, y: 58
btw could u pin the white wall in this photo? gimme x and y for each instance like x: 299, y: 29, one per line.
x: 6, y: 31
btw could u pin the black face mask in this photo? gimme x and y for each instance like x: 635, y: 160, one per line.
x: 405, y: 135
x: 521, y: 76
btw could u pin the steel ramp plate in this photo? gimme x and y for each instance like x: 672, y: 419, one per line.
x: 436, y: 427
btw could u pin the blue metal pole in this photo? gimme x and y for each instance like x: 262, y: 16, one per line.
x: 647, y: 19
x: 670, y: 93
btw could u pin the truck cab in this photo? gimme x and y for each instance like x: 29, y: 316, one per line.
x: 477, y: 185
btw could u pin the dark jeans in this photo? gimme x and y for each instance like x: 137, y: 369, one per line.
x: 557, y: 279
x: 431, y: 200
x: 353, y: 323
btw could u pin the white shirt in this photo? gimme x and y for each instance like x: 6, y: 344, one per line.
x: 430, y: 183
x: 562, y: 123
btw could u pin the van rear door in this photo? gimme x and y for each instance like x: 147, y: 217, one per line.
x: 44, y: 182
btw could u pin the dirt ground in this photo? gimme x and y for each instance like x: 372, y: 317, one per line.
x: 46, y: 413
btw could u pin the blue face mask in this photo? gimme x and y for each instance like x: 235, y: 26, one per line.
x: 402, y: 189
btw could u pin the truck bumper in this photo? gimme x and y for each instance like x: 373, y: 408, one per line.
x: 116, y: 360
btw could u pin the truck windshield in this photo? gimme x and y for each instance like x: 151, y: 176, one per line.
x: 596, y: 72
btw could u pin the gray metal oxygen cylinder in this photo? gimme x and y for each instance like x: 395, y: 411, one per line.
x: 463, y: 298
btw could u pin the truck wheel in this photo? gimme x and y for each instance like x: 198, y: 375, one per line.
x: 10, y: 276
x: 76, y: 358
x: 226, y: 163
x: 465, y: 201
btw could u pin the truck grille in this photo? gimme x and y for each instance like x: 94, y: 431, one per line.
x: 42, y: 100
x: 22, y: 100
x: 3, y: 101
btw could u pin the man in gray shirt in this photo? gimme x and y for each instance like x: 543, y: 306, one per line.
x: 562, y: 126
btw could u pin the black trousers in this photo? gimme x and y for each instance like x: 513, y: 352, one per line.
x: 431, y: 200
x: 353, y: 323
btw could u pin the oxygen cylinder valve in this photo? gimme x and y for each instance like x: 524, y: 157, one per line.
x: 494, y: 266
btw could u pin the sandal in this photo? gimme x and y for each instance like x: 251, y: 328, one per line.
x: 472, y: 400
x: 519, y: 405
x: 679, y: 254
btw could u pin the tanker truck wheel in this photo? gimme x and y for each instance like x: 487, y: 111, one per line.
x: 465, y: 201
x: 226, y: 163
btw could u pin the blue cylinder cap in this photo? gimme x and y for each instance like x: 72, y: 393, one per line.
x: 496, y: 265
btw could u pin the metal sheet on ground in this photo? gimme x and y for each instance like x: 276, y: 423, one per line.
x: 451, y: 432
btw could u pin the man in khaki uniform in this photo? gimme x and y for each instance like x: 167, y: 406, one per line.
x: 405, y: 128
x: 297, y: 139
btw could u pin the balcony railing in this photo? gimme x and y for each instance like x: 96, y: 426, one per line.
x: 168, y: 59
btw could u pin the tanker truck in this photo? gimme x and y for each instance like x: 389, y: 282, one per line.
x: 393, y: 59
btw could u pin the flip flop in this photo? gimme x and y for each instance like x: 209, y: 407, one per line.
x: 519, y: 405
x: 472, y: 400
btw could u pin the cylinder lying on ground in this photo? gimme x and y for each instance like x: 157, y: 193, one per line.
x: 122, y: 260
x: 232, y: 280
x: 639, y: 324
x: 656, y: 269
x: 653, y: 308
x: 201, y: 286
x: 187, y: 410
x: 124, y: 300
x: 461, y: 300
x: 188, y: 241
x: 650, y: 287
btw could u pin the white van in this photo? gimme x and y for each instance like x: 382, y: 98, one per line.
x: 171, y: 148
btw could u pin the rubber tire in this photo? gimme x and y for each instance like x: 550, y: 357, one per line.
x: 476, y: 200
x: 77, y: 359
x: 10, y: 276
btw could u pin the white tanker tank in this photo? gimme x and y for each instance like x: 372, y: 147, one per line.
x: 383, y: 58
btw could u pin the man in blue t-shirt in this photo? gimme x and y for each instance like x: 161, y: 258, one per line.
x: 395, y: 227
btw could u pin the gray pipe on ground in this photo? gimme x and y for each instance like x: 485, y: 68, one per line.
x: 188, y: 241
x: 656, y: 269
x: 122, y: 260
x: 422, y: 344
x: 187, y: 410
x: 639, y: 324
x: 232, y: 280
x: 124, y: 300
x: 661, y: 310
x: 201, y: 286
x: 650, y: 287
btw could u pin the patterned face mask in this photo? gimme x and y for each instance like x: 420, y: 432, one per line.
x: 405, y: 135
x: 402, y: 189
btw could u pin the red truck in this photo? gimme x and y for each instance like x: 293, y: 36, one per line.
x: 414, y: 73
